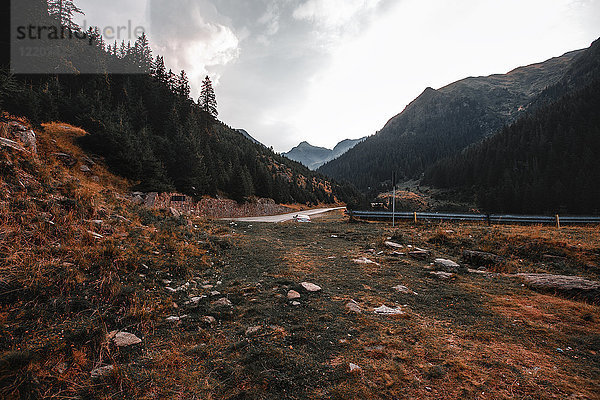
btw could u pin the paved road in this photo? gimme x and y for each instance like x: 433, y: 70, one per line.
x: 287, y: 217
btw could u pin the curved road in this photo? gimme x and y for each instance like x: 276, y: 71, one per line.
x: 287, y: 217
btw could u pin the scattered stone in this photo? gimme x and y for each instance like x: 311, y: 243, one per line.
x: 442, y: 264
x: 442, y: 274
x: 125, y: 339
x: 293, y: 295
x: 354, y: 307
x: 224, y: 302
x: 253, y: 330
x: 364, y: 260
x: 354, y: 367
x: 174, y: 212
x: 101, y: 372
x: 196, y: 300
x: 207, y: 287
x: 296, y: 303
x: 394, y: 245
x: 85, y: 169
x: 385, y: 310
x: 175, y: 318
x: 310, y: 287
x: 215, y: 293
x: 208, y: 320
x: 67, y: 159
x: 404, y: 289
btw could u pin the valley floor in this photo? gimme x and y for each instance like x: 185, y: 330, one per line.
x: 102, y: 298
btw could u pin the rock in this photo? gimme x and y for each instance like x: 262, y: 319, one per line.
x: 208, y: 320
x: 196, y: 300
x: 419, y: 254
x: 12, y: 144
x: 296, y: 303
x: 353, y: 307
x: 442, y: 264
x: 364, y: 260
x: 125, y: 339
x: 293, y: 295
x: 354, y: 367
x: 66, y: 159
x: 394, y: 245
x: 310, y: 287
x: 482, y: 259
x: 215, y: 293
x: 253, y: 330
x: 101, y: 372
x: 385, y: 310
x: 175, y: 318
x: 403, y: 289
x: 85, y: 169
x: 573, y: 286
x: 28, y: 140
x: 442, y: 274
x: 224, y: 302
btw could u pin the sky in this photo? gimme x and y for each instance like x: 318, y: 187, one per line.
x: 323, y: 71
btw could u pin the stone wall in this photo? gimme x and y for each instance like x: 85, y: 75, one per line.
x: 210, y: 207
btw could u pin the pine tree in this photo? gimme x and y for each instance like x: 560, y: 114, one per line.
x: 64, y: 11
x: 208, y: 100
x: 183, y: 85
x: 143, y: 54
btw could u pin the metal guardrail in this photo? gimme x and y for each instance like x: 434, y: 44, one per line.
x: 491, y: 219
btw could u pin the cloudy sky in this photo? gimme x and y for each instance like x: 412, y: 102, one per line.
x: 327, y: 70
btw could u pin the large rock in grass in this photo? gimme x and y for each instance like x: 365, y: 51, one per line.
x: 450, y: 266
x: 310, y: 287
x: 570, y: 286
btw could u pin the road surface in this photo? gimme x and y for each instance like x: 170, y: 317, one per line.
x: 287, y: 217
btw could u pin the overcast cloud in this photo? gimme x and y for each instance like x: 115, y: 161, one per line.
x: 327, y: 70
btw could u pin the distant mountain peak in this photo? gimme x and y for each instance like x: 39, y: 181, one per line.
x: 313, y: 156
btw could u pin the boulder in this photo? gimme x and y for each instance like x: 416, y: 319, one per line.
x: 442, y: 274
x: 224, y: 302
x: 310, y: 287
x: 394, y: 245
x: 293, y: 295
x: 572, y: 286
x: 125, y: 339
x: 353, y: 307
x: 385, y: 310
x: 442, y: 264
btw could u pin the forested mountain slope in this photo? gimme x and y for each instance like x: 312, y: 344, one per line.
x: 149, y: 129
x: 442, y: 122
x: 545, y: 162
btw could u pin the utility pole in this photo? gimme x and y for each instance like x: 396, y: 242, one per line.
x: 394, y: 200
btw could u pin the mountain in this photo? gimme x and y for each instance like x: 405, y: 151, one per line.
x: 149, y: 130
x: 313, y: 157
x: 442, y: 122
x: 546, y: 161
x: 247, y: 136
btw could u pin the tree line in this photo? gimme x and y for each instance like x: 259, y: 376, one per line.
x: 148, y: 128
